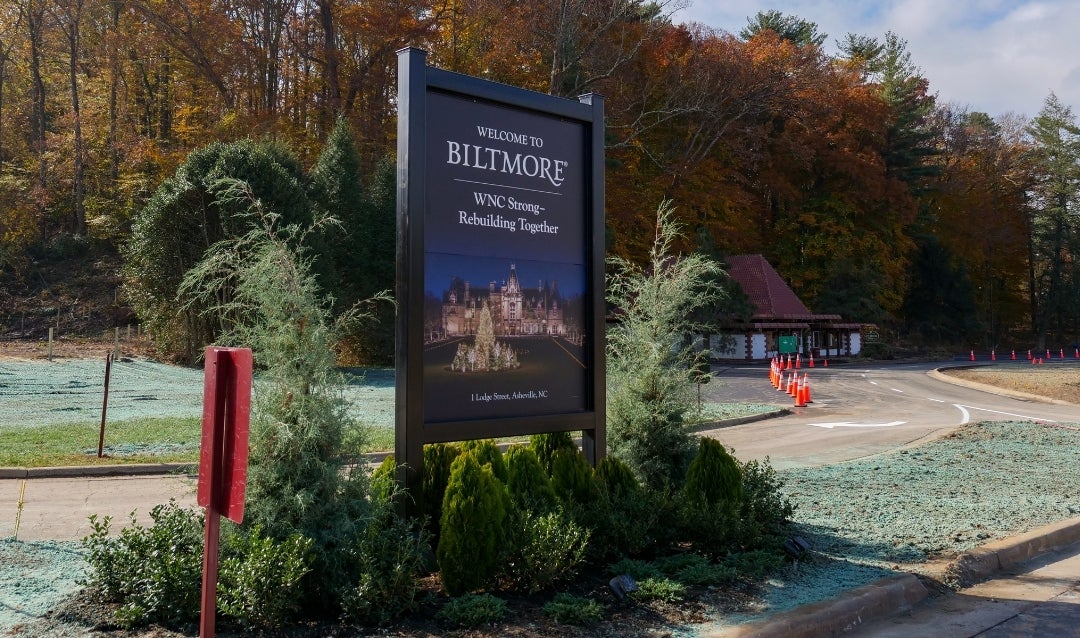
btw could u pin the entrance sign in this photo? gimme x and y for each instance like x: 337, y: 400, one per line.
x: 500, y: 262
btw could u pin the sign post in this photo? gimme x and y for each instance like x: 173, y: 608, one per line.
x: 223, y: 458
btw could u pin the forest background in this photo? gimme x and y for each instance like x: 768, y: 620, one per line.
x: 945, y: 227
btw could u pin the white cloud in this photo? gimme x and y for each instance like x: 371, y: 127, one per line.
x: 996, y: 56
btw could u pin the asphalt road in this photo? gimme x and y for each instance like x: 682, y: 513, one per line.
x: 862, y: 410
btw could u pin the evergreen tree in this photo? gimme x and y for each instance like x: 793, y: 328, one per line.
x: 650, y: 389
x: 185, y: 217
x: 793, y: 28
x: 302, y: 476
x: 344, y: 251
x: 940, y: 304
x: 1054, y: 282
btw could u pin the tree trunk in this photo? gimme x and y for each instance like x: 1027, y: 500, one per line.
x: 78, y: 182
x: 35, y: 16
x: 331, y: 82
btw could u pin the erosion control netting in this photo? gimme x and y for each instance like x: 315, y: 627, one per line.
x: 869, y: 518
x: 42, y: 393
x: 34, y: 393
x: 35, y: 577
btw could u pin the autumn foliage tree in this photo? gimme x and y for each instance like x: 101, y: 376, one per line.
x: 841, y: 170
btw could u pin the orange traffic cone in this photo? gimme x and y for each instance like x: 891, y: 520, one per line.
x: 1014, y: 355
x: 800, y: 396
x: 1062, y: 354
x: 784, y: 385
x: 798, y: 361
x: 793, y: 387
x: 825, y: 363
x: 993, y: 355
x: 972, y: 355
x: 788, y: 362
x: 811, y: 359
x: 806, y: 389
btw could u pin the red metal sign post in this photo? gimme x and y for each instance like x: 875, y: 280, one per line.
x: 223, y: 458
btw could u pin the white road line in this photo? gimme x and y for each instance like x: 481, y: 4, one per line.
x: 965, y: 413
x: 935, y: 400
x: 1022, y: 416
x: 873, y: 382
x: 895, y: 390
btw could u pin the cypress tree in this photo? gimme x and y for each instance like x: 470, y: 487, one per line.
x: 474, y: 515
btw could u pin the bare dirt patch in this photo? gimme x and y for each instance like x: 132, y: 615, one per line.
x: 1059, y: 381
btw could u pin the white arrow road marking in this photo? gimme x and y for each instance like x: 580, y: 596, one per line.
x: 849, y: 424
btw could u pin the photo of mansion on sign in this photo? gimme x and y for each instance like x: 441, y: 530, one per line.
x: 515, y: 311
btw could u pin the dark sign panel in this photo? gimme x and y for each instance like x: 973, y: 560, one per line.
x: 504, y: 261
x: 500, y: 262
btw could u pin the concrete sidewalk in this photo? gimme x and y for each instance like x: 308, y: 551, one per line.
x: 58, y: 506
x: 1003, y: 579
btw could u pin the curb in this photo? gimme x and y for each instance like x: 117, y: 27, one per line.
x: 877, y: 600
x: 78, y: 471
x: 938, y: 375
x: 147, y: 469
x: 984, y: 562
x: 896, y: 594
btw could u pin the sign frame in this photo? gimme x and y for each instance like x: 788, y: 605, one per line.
x: 416, y: 82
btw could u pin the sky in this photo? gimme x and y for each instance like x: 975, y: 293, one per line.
x: 993, y: 56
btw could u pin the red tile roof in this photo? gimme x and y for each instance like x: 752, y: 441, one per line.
x: 771, y: 296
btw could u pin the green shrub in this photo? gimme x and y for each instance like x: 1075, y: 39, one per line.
x: 260, y: 580
x: 878, y: 350
x: 567, y: 609
x: 637, y: 569
x: 714, y: 475
x: 755, y: 564
x: 390, y: 554
x: 474, y: 518
x: 384, y: 479
x: 437, y: 460
x: 765, y: 508
x: 486, y: 451
x: 711, y: 528
x: 155, y: 572
x: 662, y: 589
x: 545, y: 446
x: 472, y: 610
x: 572, y: 477
x: 547, y: 549
x: 625, y: 518
x: 528, y: 485
x: 617, y: 478
x: 694, y: 569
